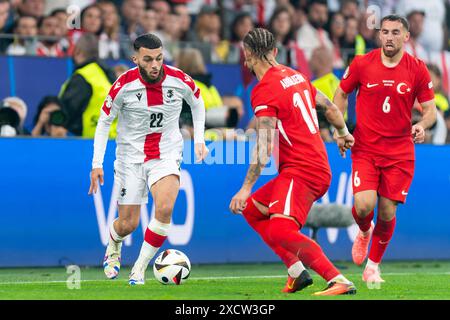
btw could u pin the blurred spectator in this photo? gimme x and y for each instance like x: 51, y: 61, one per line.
x: 432, y: 37
x: 13, y: 112
x: 289, y: 52
x: 325, y: 81
x: 299, y: 18
x: 447, y: 124
x: 35, y: 8
x: 149, y: 21
x: 312, y: 35
x: 49, y: 45
x: 439, y: 95
x: 442, y: 60
x: 4, y: 15
x: 86, y: 89
x: 241, y: 25
x: 109, y: 44
x: 62, y: 17
x: 260, y: 10
x: 131, y: 13
x: 337, y: 32
x: 162, y: 9
x: 350, y: 9
x: 170, y: 35
x: 416, y: 19
x: 119, y: 69
x: 49, y: 119
x: 92, y: 20
x: 367, y: 33
x: 25, y: 31
x: 223, y: 112
x: 208, y: 30
x: 186, y: 34
x: 351, y: 45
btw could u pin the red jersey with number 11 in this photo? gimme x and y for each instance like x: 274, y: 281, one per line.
x: 385, y: 101
x: 290, y: 97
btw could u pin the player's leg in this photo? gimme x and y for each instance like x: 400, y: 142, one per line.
x: 164, y: 182
x: 285, y: 231
x: 131, y: 186
x: 396, y: 178
x: 365, y: 177
x: 382, y: 234
x: 288, y: 215
x: 257, y: 216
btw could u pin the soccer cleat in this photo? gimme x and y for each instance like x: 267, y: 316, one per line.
x: 372, y: 275
x: 111, y: 262
x: 337, y: 288
x: 296, y: 284
x: 137, y: 276
x: 361, y: 246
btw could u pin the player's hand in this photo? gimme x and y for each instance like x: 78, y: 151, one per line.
x: 201, y: 151
x: 96, y: 175
x: 418, y: 133
x: 344, y: 143
x: 239, y: 201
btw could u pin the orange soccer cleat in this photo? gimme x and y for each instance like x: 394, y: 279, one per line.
x: 296, y: 284
x: 337, y: 288
x: 361, y: 246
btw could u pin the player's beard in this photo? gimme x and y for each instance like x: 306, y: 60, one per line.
x: 391, y: 53
x: 147, y: 78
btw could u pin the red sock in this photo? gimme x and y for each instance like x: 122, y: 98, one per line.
x: 154, y: 239
x: 382, y: 234
x: 259, y: 223
x: 285, y: 233
x: 363, y: 223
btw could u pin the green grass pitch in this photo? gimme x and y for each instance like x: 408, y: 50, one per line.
x: 404, y: 280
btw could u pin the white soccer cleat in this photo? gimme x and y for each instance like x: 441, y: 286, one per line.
x: 137, y: 275
x: 372, y: 275
x: 111, y: 262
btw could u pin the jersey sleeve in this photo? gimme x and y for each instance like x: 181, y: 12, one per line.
x: 424, y: 84
x: 195, y: 101
x: 350, y: 79
x: 263, y: 102
x: 110, y: 109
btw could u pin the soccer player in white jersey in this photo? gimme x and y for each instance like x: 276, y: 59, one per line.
x: 148, y: 101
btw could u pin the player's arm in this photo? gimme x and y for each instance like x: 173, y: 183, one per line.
x: 108, y: 114
x: 341, y: 100
x: 335, y: 117
x: 428, y: 119
x: 265, y: 128
x: 197, y: 105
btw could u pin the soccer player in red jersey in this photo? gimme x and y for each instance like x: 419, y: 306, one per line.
x: 389, y: 81
x: 284, y: 102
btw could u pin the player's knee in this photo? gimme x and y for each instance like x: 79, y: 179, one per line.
x: 127, y: 226
x: 163, y: 211
x: 363, y: 207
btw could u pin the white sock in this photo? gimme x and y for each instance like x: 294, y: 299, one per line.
x: 296, y: 269
x: 372, y: 264
x: 340, y: 279
x: 114, y: 239
x: 147, y: 250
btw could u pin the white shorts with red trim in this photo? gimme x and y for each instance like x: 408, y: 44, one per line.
x: 135, y: 179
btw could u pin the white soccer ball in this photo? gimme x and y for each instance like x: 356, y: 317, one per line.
x: 172, y: 267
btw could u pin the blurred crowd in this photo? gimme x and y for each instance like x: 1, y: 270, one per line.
x: 317, y: 37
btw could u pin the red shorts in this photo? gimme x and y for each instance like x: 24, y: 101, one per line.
x: 290, y: 195
x: 390, y: 178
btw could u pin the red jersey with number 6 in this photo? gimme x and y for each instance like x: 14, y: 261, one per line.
x: 384, y: 103
x: 290, y: 97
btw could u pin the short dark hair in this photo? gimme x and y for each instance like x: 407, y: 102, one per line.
x: 148, y: 41
x: 260, y: 42
x: 395, y: 17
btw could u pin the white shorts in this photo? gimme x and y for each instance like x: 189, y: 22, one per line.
x: 134, y: 180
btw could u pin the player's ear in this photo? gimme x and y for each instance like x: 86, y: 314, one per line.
x: 134, y: 59
x: 275, y: 52
x: 408, y: 34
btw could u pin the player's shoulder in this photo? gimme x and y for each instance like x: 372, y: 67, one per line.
x: 123, y: 81
x: 179, y: 76
x: 414, y: 63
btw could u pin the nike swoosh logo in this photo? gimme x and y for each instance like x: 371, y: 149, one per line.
x: 371, y: 85
x: 404, y: 193
x: 272, y: 203
x: 383, y: 242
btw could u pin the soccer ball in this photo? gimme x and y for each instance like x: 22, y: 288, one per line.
x: 172, y: 267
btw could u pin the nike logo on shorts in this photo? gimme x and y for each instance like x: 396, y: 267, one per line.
x: 272, y: 203
x: 404, y: 193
